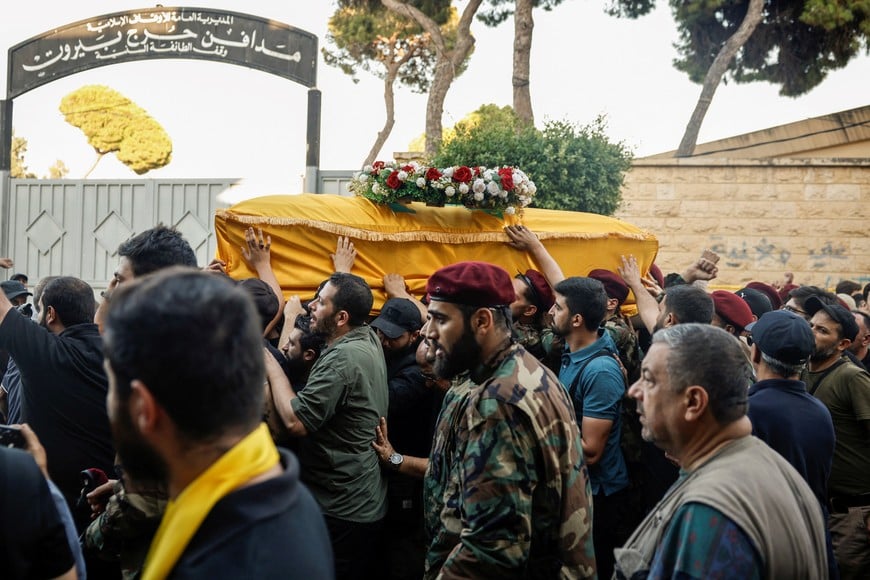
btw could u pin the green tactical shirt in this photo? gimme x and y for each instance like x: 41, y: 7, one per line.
x: 507, y: 494
x: 343, y: 400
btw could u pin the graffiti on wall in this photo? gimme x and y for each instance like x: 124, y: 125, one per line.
x: 764, y: 253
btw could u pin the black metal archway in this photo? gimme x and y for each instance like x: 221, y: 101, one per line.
x: 159, y: 33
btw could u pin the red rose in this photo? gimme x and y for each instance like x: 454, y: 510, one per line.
x: 507, y: 178
x: 377, y: 166
x: 462, y: 174
x: 432, y: 174
x: 477, y: 171
x: 408, y: 168
x: 393, y: 180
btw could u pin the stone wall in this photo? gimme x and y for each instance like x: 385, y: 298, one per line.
x: 764, y: 217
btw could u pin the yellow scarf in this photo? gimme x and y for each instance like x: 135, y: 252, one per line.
x: 250, y: 457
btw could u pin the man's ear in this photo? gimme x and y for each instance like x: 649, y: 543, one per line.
x: 530, y: 310
x: 309, y: 355
x: 481, y: 320
x: 342, y: 318
x: 844, y: 344
x: 755, y: 353
x: 50, y: 315
x: 696, y: 401
x: 145, y: 411
x: 577, y: 320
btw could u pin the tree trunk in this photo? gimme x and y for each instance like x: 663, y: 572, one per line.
x: 448, y: 62
x: 523, y: 27
x: 390, y: 106
x: 717, y: 70
x: 94, y: 166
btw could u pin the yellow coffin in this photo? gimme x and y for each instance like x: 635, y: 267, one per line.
x: 304, y: 230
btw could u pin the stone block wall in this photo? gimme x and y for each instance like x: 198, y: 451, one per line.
x: 764, y: 217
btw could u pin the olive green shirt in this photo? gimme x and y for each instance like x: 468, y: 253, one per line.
x: 343, y: 400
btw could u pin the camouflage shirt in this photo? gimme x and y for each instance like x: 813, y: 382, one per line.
x: 626, y: 344
x: 507, y: 494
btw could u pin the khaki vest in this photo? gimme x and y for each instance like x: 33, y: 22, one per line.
x: 757, y: 489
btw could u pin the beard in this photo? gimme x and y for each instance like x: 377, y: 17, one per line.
x: 325, y: 327
x: 297, y: 371
x: 464, y: 355
x: 138, y: 458
x: 820, y: 355
x: 561, y: 332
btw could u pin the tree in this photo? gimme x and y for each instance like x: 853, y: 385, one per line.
x: 390, y: 46
x: 58, y: 171
x: 524, y: 25
x: 574, y: 168
x: 451, y: 57
x: 19, y: 167
x: 113, y: 123
x: 794, y: 43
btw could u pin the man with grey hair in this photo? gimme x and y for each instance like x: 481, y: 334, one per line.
x: 739, y: 509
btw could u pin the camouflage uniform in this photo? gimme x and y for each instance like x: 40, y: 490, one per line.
x: 541, y: 343
x: 626, y: 343
x: 507, y: 494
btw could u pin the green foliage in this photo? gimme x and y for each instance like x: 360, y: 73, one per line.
x: 113, y: 123
x: 795, y: 46
x: 500, y: 10
x: 574, y: 167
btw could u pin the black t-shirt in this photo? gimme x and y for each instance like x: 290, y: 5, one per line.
x: 63, y: 396
x: 33, y: 543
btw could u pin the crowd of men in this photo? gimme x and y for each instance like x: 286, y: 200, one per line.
x: 190, y: 425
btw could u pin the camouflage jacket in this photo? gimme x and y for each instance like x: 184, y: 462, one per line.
x: 626, y: 344
x: 507, y: 493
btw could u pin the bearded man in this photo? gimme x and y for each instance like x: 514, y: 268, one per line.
x: 506, y: 492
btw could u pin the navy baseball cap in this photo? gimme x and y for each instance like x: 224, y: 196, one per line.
x: 783, y: 335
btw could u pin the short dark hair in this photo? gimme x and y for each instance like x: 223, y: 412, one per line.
x: 586, y: 297
x: 309, y: 340
x: 157, y: 248
x: 71, y: 298
x: 801, y: 293
x: 689, y: 304
x: 847, y: 287
x: 352, y: 295
x: 193, y: 339
x: 501, y: 315
x: 40, y: 288
x: 707, y: 356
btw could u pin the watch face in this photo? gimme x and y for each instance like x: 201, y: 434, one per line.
x: 396, y: 459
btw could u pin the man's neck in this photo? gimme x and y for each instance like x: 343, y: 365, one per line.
x: 580, y: 339
x: 190, y: 461
x: 763, y: 373
x: 818, y: 366
x: 340, y: 333
x: 710, y: 440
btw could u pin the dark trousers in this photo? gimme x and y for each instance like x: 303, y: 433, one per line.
x: 353, y: 547
x: 612, y: 524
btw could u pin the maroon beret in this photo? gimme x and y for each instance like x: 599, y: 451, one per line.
x: 769, y: 291
x: 614, y: 285
x: 657, y: 275
x: 542, y: 294
x: 732, y: 308
x: 473, y: 284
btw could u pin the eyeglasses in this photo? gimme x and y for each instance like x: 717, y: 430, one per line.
x: 795, y: 310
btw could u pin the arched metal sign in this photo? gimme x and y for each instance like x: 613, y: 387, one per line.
x: 153, y: 33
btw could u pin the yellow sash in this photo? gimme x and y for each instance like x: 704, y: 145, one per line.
x: 252, y: 456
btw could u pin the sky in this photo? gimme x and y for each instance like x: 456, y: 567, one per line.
x: 228, y: 121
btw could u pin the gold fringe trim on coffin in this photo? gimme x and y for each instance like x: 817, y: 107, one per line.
x: 417, y: 236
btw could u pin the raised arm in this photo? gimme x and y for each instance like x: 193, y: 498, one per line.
x: 647, y: 306
x: 258, y: 255
x: 524, y: 239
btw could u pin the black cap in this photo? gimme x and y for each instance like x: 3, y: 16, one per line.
x: 838, y: 314
x: 13, y: 289
x: 784, y: 336
x: 758, y: 301
x: 398, y: 316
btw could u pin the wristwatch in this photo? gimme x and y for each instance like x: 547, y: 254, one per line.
x: 396, y: 460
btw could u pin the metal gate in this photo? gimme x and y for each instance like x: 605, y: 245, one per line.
x: 70, y: 227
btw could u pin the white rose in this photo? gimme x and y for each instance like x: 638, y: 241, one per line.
x: 450, y: 191
x: 448, y: 172
x: 510, y: 210
x: 376, y: 188
x: 503, y: 194
x: 421, y: 182
x: 368, y: 168
x: 478, y: 186
x: 487, y: 175
x: 363, y: 177
x: 402, y: 175
x: 463, y: 188
x: 478, y: 197
x: 492, y: 188
x: 532, y: 188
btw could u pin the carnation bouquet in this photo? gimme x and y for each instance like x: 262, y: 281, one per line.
x: 499, y: 190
